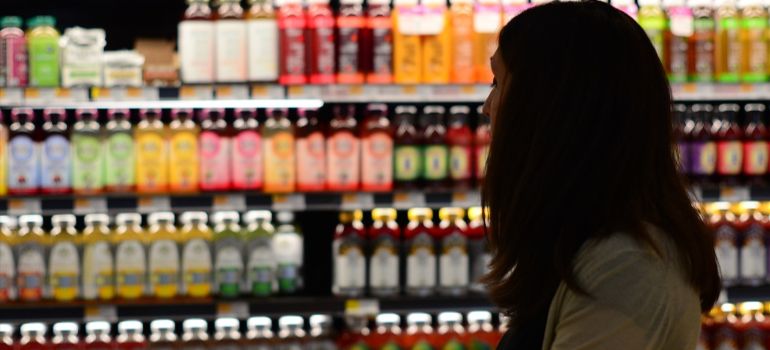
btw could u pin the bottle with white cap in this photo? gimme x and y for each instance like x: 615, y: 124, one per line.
x: 288, y: 249
x: 6, y: 336
x: 130, y: 335
x: 260, y: 333
x: 130, y: 256
x: 450, y: 329
x: 162, y: 334
x: 64, y: 259
x: 65, y: 335
x: 388, y: 331
x: 702, y: 67
x: 653, y: 20
x: 196, y: 254
x: 7, y: 261
x: 419, y: 331
x: 727, y: 44
x: 481, y: 333
x: 98, y: 335
x: 680, y: 29
x: 753, y: 31
x: 260, y: 260
x: 195, y: 334
x: 290, y: 332
x: 262, y: 36
x: 32, y: 335
x: 321, y: 333
x: 228, y: 254
x: 356, y: 333
x: 98, y: 278
x: 163, y: 255
x: 31, y: 247
x: 227, y: 335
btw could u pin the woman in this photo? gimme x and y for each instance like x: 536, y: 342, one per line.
x: 595, y: 242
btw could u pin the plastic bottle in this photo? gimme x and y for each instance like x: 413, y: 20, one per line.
x: 87, y: 154
x: 13, y: 46
x: 652, y: 19
x: 31, y: 248
x: 436, y: 42
x: 288, y: 249
x: 215, y: 151
x: 24, y: 153
x: 260, y: 260
x: 197, y: 43
x: 151, y: 140
x: 196, y: 254
x: 377, y: 150
x: 321, y: 337
x: 98, y: 336
x: 727, y: 42
x: 163, y: 254
x: 262, y: 35
x: 348, y: 254
x: 343, y: 151
x: 280, y: 161
x: 753, y: 251
x: 195, y: 334
x: 729, y: 147
x: 260, y: 334
x: 755, y: 146
x: 701, y: 60
x: 231, y: 43
x: 183, y: 152
x: 726, y: 245
x: 387, y: 335
x: 407, y: 44
x: 321, y: 46
x: 753, y: 38
x: 43, y: 48
x: 130, y: 336
x: 119, y: 160
x: 291, y: 36
x: 379, y: 53
x: 436, y: 152
x: 384, y: 255
x: 419, y: 332
x: 98, y: 276
x: 450, y: 330
x: 65, y: 336
x: 227, y: 335
x: 481, y: 333
x: 703, y: 149
x: 246, y: 165
x: 311, y: 152
x: 162, y: 335
x: 55, y: 156
x: 356, y: 334
x: 482, y: 137
x: 462, y: 32
x: 420, y: 249
x: 351, y: 42
x: 33, y: 336
x: 453, y: 252
x: 676, y: 38
x: 290, y: 334
x: 130, y: 256
x: 460, y: 147
x: 228, y: 254
x: 407, y: 150
x: 478, y: 249
x: 64, y: 259
x: 7, y: 261
x: 486, y: 26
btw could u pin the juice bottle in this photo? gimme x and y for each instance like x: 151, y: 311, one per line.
x: 215, y: 138
x: 436, y: 152
x: 130, y: 256
x: 727, y: 42
x: 653, y: 20
x: 461, y: 20
x: 151, y: 138
x: 755, y: 146
x: 311, y: 152
x: 260, y: 334
x: 231, y: 42
x: 460, y: 147
x: 703, y: 149
x: 246, y: 166
x: 195, y: 334
x: 723, y: 222
x: 385, y: 242
x: 13, y: 46
x: 33, y: 336
x: 6, y: 337
x: 228, y: 254
x: 679, y: 115
x: 65, y: 336
x: 260, y: 261
x: 729, y: 146
x: 278, y: 138
x: 64, y: 260
x: 290, y: 333
x: 478, y: 249
x: 387, y: 335
x: 43, y: 48
x: 320, y: 59
x: 98, y: 336
x: 753, y: 251
x: 356, y: 334
x: 627, y: 6
x: 377, y: 150
x: 453, y: 252
x: 754, y: 41
x: 419, y: 332
x: 227, y: 335
x: 436, y: 42
x: 407, y: 150
x: 196, y: 43
x: 482, y: 137
x: 119, y: 161
x: 343, y: 150
x: 130, y: 336
x: 163, y: 257
x: 23, y: 153
x: 481, y: 333
x: 162, y: 335
x: 701, y: 50
x: 183, y: 152
x: 262, y: 36
x: 196, y: 254
x: 407, y: 44
x: 379, y: 52
x: 486, y: 25
x: 676, y: 38
x: 55, y: 157
x: 512, y: 8
x: 752, y: 325
x: 450, y: 330
x: 420, y: 250
x: 350, y: 42
x: 31, y: 249
x: 98, y: 276
x: 7, y: 261
x: 321, y: 334
x: 288, y: 249
x: 291, y: 36
x: 87, y: 155
x: 348, y: 254
x: 3, y: 158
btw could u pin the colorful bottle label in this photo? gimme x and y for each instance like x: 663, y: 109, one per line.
x: 196, y: 268
x: 377, y: 168
x: 55, y: 164
x: 753, y: 254
x: 460, y: 162
x: 704, y: 158
x: 322, y: 49
x: 231, y: 50
x: 383, y: 264
x: 349, y: 30
x: 343, y: 157
x: 119, y: 161
x: 287, y: 248
x: 64, y: 271
x: 261, y: 267
x: 407, y: 45
x: 98, y: 280
x: 727, y: 253
x: 151, y: 162
x: 754, y: 29
x: 228, y: 267
x: 247, y: 162
x: 703, y: 70
x: 43, y: 61
x: 756, y: 157
x: 311, y: 162
x: 436, y: 162
x: 421, y: 262
x: 292, y: 41
x: 730, y: 157
x: 262, y: 37
x: 382, y: 47
x: 214, y: 161
x: 88, y: 166
x: 408, y: 162
x: 183, y: 161
x: 7, y: 273
x: 164, y: 268
x: 23, y: 164
x: 462, y: 47
x: 453, y: 344
x: 31, y: 271
x: 196, y: 51
x: 349, y: 265
x: 453, y: 262
x: 731, y: 50
x: 280, y: 172
x: 436, y: 45
x: 13, y: 53
x: 422, y: 345
x: 130, y: 268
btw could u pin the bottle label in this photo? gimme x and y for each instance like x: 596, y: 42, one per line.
x: 64, y: 270
x: 704, y: 158
x: 730, y: 157
x: 231, y: 50
x: 422, y: 345
x: 382, y: 43
x: 753, y: 254
x: 263, y: 49
x: 348, y: 36
x: 343, y: 157
x: 196, y: 51
x: 261, y: 267
x: 462, y: 46
x: 164, y: 268
x: 151, y: 162
x: 756, y: 153
x: 14, y: 51
x: 727, y: 253
x: 119, y: 160
x: 247, y: 160
x: 98, y: 278
x: 421, y: 262
x: 196, y: 268
x: 677, y: 60
x: 31, y: 271
x: 377, y: 170
x: 88, y: 167
x: 183, y: 167
x: 56, y: 163
x: 287, y: 248
x: 756, y: 46
x: 453, y: 262
x: 44, y: 61
x: 215, y: 161
x: 383, y: 265
x: 436, y: 159
x: 460, y: 162
x: 229, y: 268
x: 311, y: 162
x: 349, y: 266
x: 280, y: 172
x: 729, y: 28
x: 23, y: 163
x: 408, y: 163
x: 453, y: 345
x: 704, y: 50
x: 322, y: 50
x: 7, y: 273
x: 293, y: 51
x: 130, y: 267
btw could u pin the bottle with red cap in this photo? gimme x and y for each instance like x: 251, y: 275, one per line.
x: 246, y: 165
x: 343, y: 151
x: 729, y: 147
x: 151, y: 138
x: 320, y: 24
x: 65, y: 336
x: 55, y: 158
x: 460, y: 140
x: 384, y: 263
x: 453, y: 252
x: 311, y: 152
x: 755, y: 146
x: 348, y: 254
x: 377, y: 150
x: 350, y: 42
x: 214, y: 151
x: 119, y: 152
x: 420, y: 253
x: 87, y: 154
x: 23, y: 153
x: 291, y: 36
x: 183, y: 152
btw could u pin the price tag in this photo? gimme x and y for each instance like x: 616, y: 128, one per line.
x: 125, y: 94
x: 24, y: 206
x: 362, y: 307
x: 38, y: 96
x: 235, y: 202
x: 238, y: 310
x: 107, y: 313
x: 232, y: 92
x: 268, y: 92
x: 150, y: 204
x: 294, y: 201
x: 353, y: 201
x: 196, y: 92
x: 89, y: 205
x: 734, y: 194
x: 11, y: 96
x: 71, y: 95
x: 407, y: 200
x: 466, y: 199
x: 304, y: 91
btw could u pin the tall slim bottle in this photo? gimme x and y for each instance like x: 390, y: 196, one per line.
x: 98, y: 273
x: 461, y: 19
x: 262, y: 34
x: 754, y: 41
x: 23, y: 153
x: 87, y: 153
x: 727, y: 43
x: 231, y: 43
x: 183, y: 152
x: 436, y: 42
x: 486, y: 25
x: 653, y: 20
x: 320, y: 32
x: 350, y: 42
x: 119, y: 161
x: 64, y: 259
x: 196, y: 43
x: 407, y: 44
x: 291, y: 33
x: 678, y: 32
x: 379, y: 29
x: 278, y: 138
x: 702, y: 44
x: 151, y: 140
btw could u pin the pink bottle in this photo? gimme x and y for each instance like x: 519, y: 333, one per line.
x: 13, y: 53
x: 247, y: 163
x: 214, y: 144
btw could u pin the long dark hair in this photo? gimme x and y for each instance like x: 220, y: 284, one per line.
x: 582, y: 148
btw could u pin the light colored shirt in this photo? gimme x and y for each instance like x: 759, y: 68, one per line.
x: 640, y: 300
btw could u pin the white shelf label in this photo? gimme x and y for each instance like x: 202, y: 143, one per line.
x: 268, y: 92
x: 466, y: 199
x: 203, y: 92
x: 36, y: 96
x: 11, y: 96
x: 151, y: 204
x: 89, y: 205
x: 238, y: 310
x: 353, y: 201
x: 291, y: 202
x: 232, y: 92
x: 125, y: 94
x: 304, y: 92
x: 734, y: 194
x: 24, y: 206
x: 407, y: 200
x: 235, y: 202
x: 107, y: 313
x: 362, y: 307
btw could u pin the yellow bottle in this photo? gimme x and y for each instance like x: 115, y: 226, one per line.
x: 7, y: 264
x: 151, y: 140
x: 196, y: 254
x: 407, y: 46
x: 183, y: 152
x: 461, y: 13
x: 31, y: 245
x: 163, y: 255
x: 436, y: 42
x: 130, y: 256
x: 98, y: 275
x: 485, y: 32
x: 64, y: 259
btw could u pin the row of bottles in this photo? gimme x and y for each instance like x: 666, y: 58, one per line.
x: 742, y: 326
x: 130, y: 261
x: 241, y: 153
x: 422, y: 259
x: 32, y: 57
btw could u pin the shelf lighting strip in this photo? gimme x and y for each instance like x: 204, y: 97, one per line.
x: 172, y: 104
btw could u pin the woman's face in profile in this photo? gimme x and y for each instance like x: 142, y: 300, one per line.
x: 498, y: 71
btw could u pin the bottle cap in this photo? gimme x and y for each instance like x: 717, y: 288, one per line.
x: 7, y: 222
x: 6, y: 329
x: 254, y: 215
x: 18, y: 113
x: 65, y: 328
x: 162, y: 325
x: 225, y: 323
x: 474, y: 213
x: 320, y: 321
x: 702, y: 107
x: 419, y: 213
x: 289, y: 321
x: 96, y: 219
x: 130, y: 327
x: 98, y: 326
x: 123, y: 219
x: 82, y: 113
x: 384, y: 214
x: 729, y: 108
x: 11, y: 22
x: 226, y: 216
x: 259, y: 322
x: 418, y: 318
x: 749, y: 3
x: 189, y: 217
x: 433, y: 110
x: 754, y: 107
x: 700, y: 3
x: 381, y: 107
x: 50, y: 113
x: 406, y: 110
x: 378, y: 2
x: 47, y: 21
x: 388, y: 319
x: 194, y: 324
x: 157, y: 218
x: 479, y: 317
x: 181, y: 113
x: 449, y: 213
x: 34, y: 327
x: 450, y: 317
x: 649, y: 3
x: 351, y: 2
x: 34, y: 220
x: 285, y: 217
x: 150, y: 113
x: 277, y: 112
x: 63, y: 220
x: 211, y: 113
x: 120, y: 112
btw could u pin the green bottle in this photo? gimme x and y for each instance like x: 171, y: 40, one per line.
x: 43, y: 47
x: 288, y: 249
x: 228, y: 248
x: 260, y: 261
x: 87, y: 174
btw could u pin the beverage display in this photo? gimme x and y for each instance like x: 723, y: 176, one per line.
x: 343, y: 151
x: 701, y: 47
x: 262, y: 36
x: 387, y: 334
x: 652, y: 19
x: 98, y: 274
x: 23, y: 153
x: 407, y: 43
x: 278, y: 141
x: 120, y: 152
x: 479, y: 256
x: 311, y: 152
x: 487, y: 15
x: 293, y: 48
x: 227, y: 335
x: 130, y: 335
x: 259, y: 331
x: 450, y: 332
x: 727, y: 44
x: 754, y: 44
x: 348, y: 254
x: 407, y: 149
x: 351, y: 42
x: 453, y: 266
x: 7, y: 261
x: 460, y: 139
x: 288, y: 248
x: 130, y: 256
x: 98, y: 335
x: 195, y: 333
x: 435, y: 167
x: 481, y: 140
x: 378, y: 62
x: 419, y: 332
x: 231, y: 42
x: 228, y: 254
x: 43, y: 50
x: 246, y: 164
x: 376, y: 150
x: 728, y: 140
x: 680, y: 28
x: 260, y: 261
x: 197, y: 43
x: 31, y: 248
x: 13, y: 45
x: 724, y: 223
x: 321, y: 44
x: 215, y: 151
x: 33, y: 336
x: 755, y: 146
x: 65, y: 336
x: 163, y: 255
x: 162, y: 334
x: 385, y: 250
x: 462, y: 27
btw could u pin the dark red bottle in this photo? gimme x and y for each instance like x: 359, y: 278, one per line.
x: 460, y: 140
x: 703, y: 149
x: 729, y: 146
x: 755, y: 146
x: 407, y: 152
x: 350, y: 30
x: 320, y: 24
x: 311, y: 152
x: 435, y: 165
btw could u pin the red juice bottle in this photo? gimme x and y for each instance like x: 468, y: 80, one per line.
x: 726, y: 244
x: 682, y: 143
x: 130, y: 336
x: 350, y: 28
x: 460, y: 147
x: 388, y: 333
x: 246, y: 166
x: 407, y: 149
x: 753, y: 251
x: 453, y: 252
x: 13, y: 53
x: 451, y: 334
x: 481, y: 139
x: 420, y: 245
x: 23, y: 153
x: 311, y: 152
x: 291, y: 33
x: 33, y: 337
x: 385, y: 248
x: 320, y: 36
x: 343, y: 151
x: 378, y: 43
x: 356, y: 335
x: 703, y: 149
x: 481, y: 334
x: 215, y: 138
x: 755, y: 146
x: 55, y: 158
x: 98, y: 336
x: 436, y: 151
x: 419, y: 332
x: 6, y: 337
x: 348, y: 255
x: 377, y: 150
x: 729, y: 146
x: 65, y: 336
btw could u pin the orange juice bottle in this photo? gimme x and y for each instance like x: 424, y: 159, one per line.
x: 151, y: 153
x: 183, y: 152
x: 278, y: 143
x: 461, y: 14
x: 486, y: 25
x: 130, y: 256
x: 436, y: 42
x: 407, y: 47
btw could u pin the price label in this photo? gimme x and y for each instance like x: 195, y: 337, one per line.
x: 466, y: 199
x: 11, y: 96
x: 304, y: 91
x: 235, y: 309
x: 353, y: 201
x: 151, y: 204
x: 235, y: 202
x: 125, y: 94
x: 107, y: 313
x: 362, y: 307
x: 24, y: 206
x: 294, y: 201
x: 734, y: 194
x: 232, y: 92
x: 196, y: 92
x: 90, y: 205
x: 407, y: 200
x: 268, y: 91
